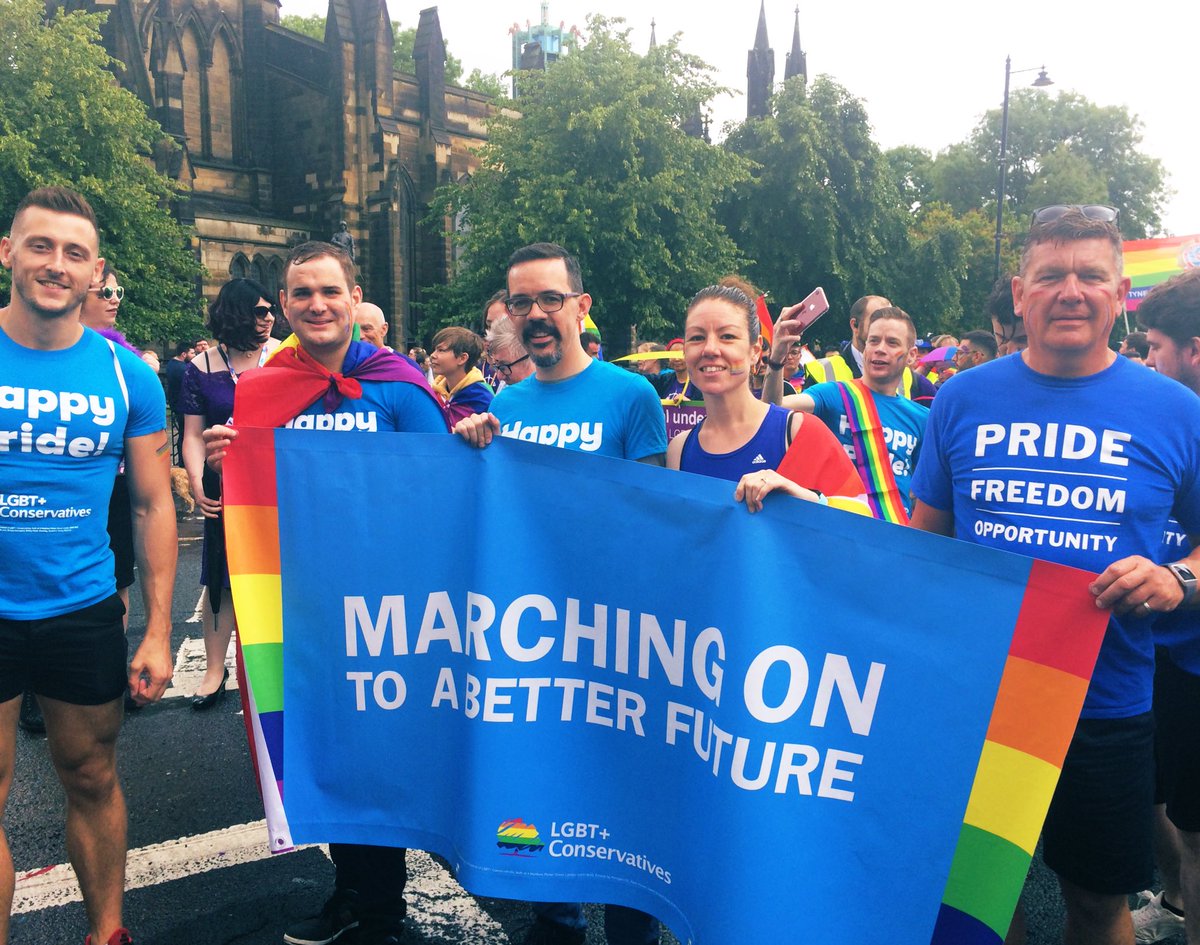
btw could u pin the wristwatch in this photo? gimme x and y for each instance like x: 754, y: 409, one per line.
x: 1185, y: 577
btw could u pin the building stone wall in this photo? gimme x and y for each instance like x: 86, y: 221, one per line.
x: 282, y: 136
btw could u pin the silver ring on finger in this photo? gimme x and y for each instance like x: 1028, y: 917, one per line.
x: 1146, y: 606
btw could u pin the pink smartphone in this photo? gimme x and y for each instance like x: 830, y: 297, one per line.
x: 812, y: 308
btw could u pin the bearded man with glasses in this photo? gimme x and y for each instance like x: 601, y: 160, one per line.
x: 1069, y: 453
x: 580, y: 404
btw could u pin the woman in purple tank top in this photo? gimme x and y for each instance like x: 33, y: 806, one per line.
x: 241, y: 318
x: 741, y: 439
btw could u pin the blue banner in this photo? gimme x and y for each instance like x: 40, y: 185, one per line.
x: 578, y: 678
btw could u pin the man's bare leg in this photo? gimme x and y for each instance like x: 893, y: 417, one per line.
x: 8, y: 750
x: 1189, y: 881
x: 1095, y: 918
x: 1167, y: 855
x: 83, y: 743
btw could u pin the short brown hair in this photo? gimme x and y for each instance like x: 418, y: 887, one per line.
x: 1073, y: 227
x: 315, y: 249
x: 897, y: 314
x: 60, y: 200
x: 461, y: 341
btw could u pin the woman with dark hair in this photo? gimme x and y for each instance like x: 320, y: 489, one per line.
x: 240, y: 319
x: 742, y: 439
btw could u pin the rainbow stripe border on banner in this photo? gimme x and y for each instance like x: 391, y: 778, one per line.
x: 252, y: 540
x: 1040, y: 696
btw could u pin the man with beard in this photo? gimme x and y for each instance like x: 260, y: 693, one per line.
x: 577, y: 403
x: 572, y: 400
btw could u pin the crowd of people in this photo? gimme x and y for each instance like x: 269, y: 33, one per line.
x: 1049, y: 444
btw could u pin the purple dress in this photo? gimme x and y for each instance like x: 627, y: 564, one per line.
x: 209, y: 394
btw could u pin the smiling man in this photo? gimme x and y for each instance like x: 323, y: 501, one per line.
x: 580, y: 404
x: 72, y: 405
x: 890, y: 340
x: 330, y: 382
x: 1069, y: 453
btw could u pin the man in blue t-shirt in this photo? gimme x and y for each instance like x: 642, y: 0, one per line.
x: 71, y: 406
x: 579, y: 404
x: 890, y: 337
x: 319, y: 298
x: 1068, y: 453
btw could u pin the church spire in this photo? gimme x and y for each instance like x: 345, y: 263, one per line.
x: 760, y: 70
x: 760, y: 37
x: 653, y: 39
x: 796, y: 62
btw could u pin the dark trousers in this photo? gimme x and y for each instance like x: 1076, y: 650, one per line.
x: 377, y: 874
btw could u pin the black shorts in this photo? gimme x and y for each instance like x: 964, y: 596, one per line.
x: 1176, y: 747
x: 1098, y: 830
x: 120, y: 532
x: 78, y: 657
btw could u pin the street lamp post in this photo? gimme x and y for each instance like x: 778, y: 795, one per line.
x: 1040, y: 83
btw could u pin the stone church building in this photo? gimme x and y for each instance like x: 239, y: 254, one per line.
x: 282, y: 137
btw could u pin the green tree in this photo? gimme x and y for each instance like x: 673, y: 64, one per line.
x: 1061, y: 149
x: 947, y: 274
x: 313, y: 26
x: 64, y: 120
x: 821, y: 207
x: 599, y: 163
x: 486, y: 83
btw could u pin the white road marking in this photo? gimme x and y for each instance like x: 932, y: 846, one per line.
x: 437, y: 904
x: 197, y: 614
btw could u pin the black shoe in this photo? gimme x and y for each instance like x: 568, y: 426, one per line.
x: 553, y: 933
x: 339, y: 915
x: 200, y: 703
x: 31, y: 715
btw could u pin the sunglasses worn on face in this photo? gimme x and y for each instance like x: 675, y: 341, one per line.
x: 107, y: 292
x: 263, y: 312
x: 1094, y: 211
x: 549, y: 302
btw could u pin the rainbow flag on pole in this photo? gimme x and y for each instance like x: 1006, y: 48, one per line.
x: 1150, y: 262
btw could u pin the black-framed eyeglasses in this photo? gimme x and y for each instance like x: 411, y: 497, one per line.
x: 263, y: 312
x: 504, y: 368
x: 1092, y: 211
x: 549, y: 302
x: 107, y: 292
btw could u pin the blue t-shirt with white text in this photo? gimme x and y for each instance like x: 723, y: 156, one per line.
x: 602, y: 409
x: 64, y: 419
x: 903, y: 426
x: 1079, y: 471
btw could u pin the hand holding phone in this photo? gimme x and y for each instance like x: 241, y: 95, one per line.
x: 813, y: 307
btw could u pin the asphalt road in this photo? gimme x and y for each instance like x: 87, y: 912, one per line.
x: 196, y: 875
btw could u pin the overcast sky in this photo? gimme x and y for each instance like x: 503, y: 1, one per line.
x: 927, y: 70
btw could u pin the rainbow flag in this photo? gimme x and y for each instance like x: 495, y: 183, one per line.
x: 251, y: 508
x: 1150, y: 262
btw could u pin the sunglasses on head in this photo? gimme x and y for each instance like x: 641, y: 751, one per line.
x: 108, y: 292
x: 1092, y: 211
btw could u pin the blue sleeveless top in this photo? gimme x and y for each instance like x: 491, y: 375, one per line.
x: 764, y: 450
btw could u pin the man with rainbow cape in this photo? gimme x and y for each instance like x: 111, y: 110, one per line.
x: 324, y: 381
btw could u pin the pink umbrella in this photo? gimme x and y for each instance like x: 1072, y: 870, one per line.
x: 944, y: 353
